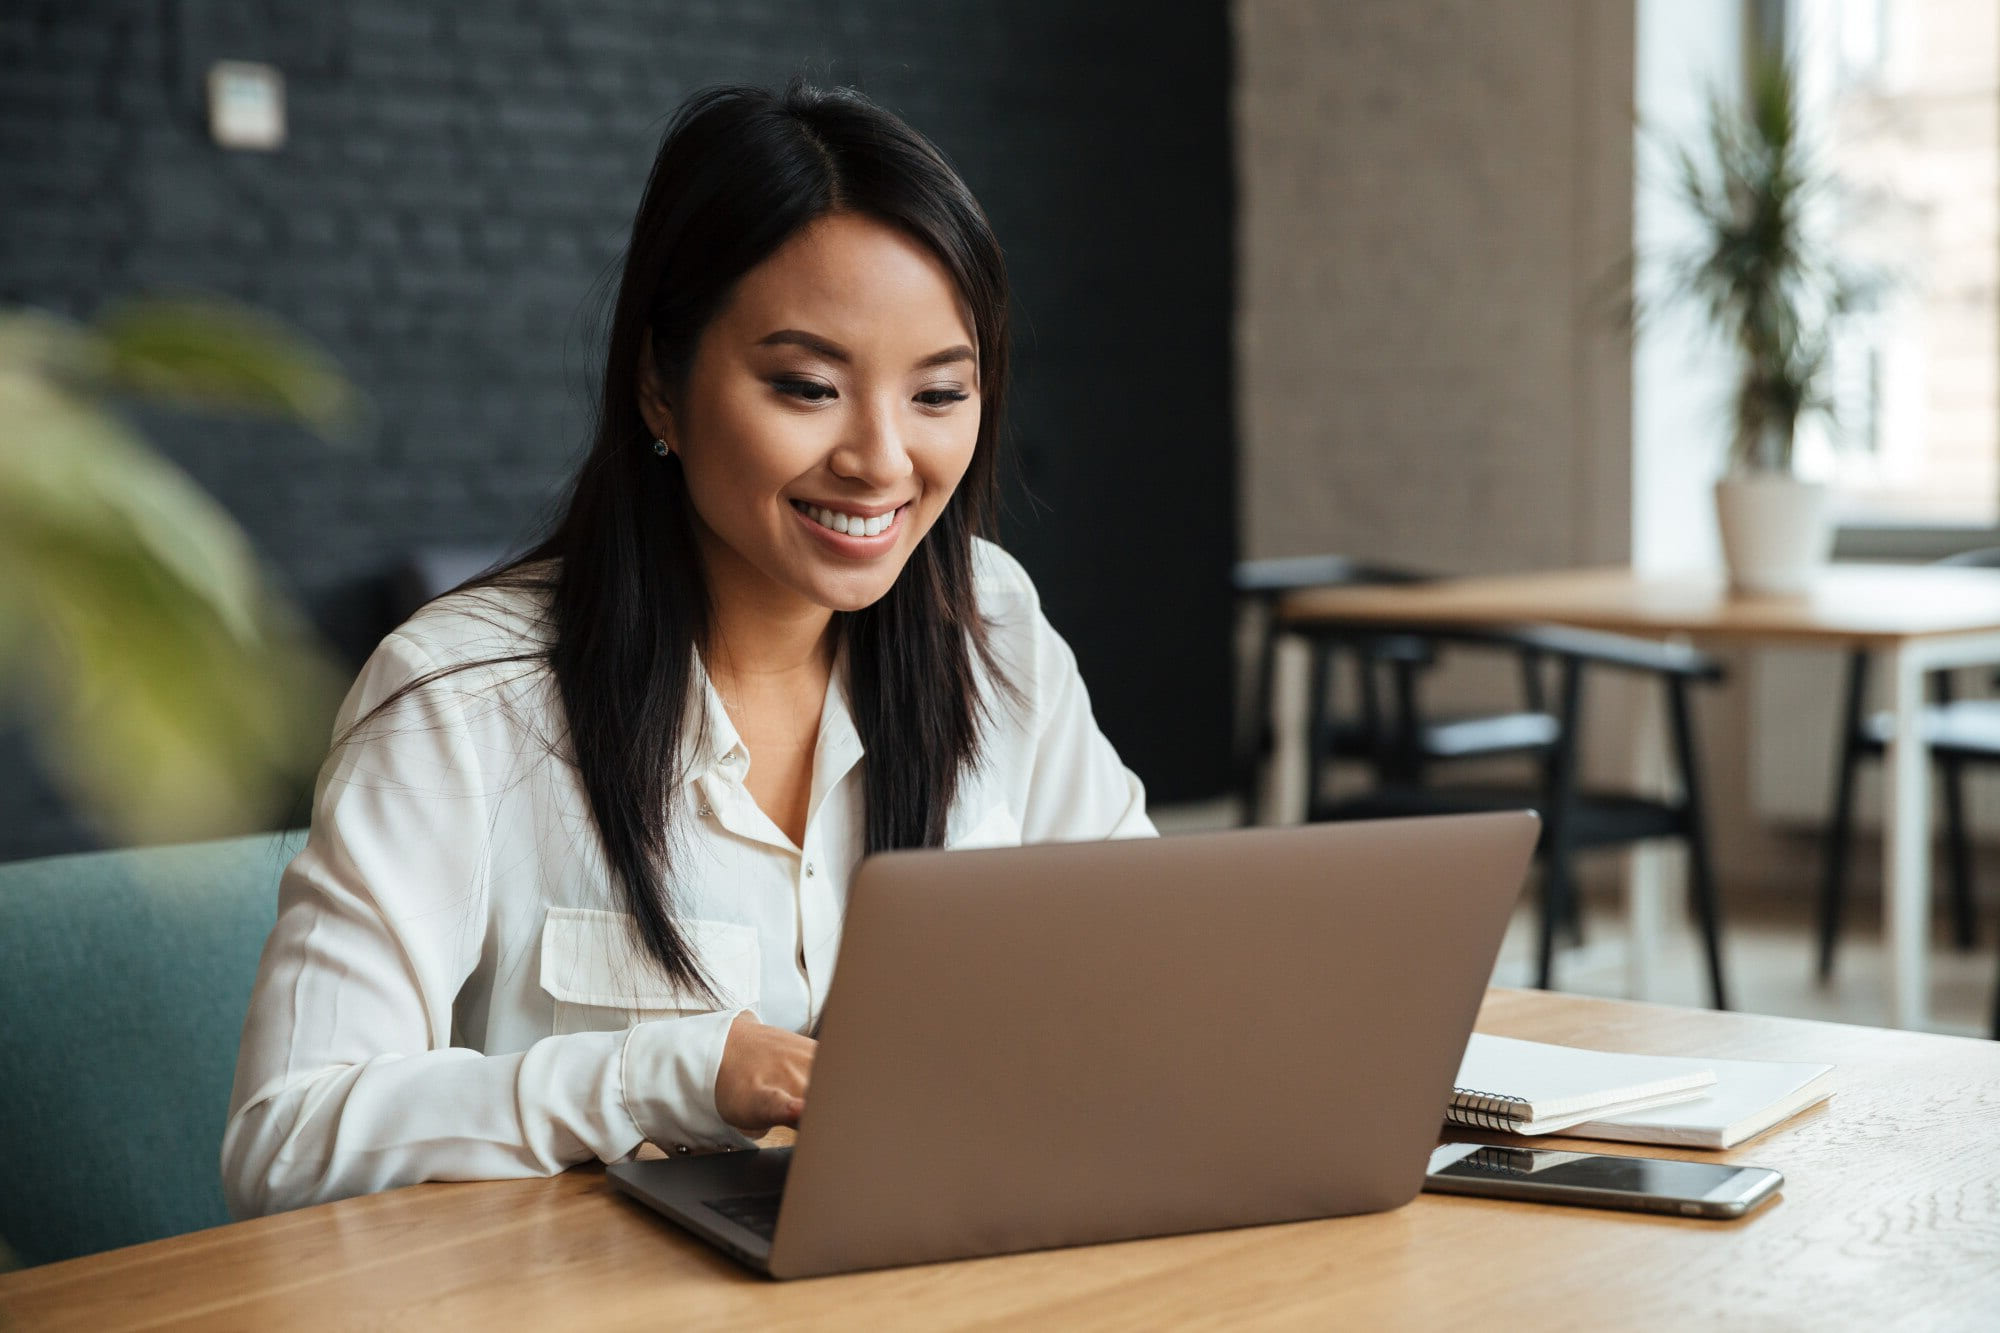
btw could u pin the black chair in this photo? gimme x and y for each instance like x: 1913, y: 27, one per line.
x: 1574, y: 819
x: 1386, y: 666
x: 1960, y: 732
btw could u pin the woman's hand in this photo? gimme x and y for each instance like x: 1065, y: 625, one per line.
x: 762, y: 1081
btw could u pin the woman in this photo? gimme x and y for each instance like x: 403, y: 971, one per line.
x: 579, y: 857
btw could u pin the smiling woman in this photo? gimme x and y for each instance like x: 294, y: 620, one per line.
x: 579, y: 857
x: 819, y: 454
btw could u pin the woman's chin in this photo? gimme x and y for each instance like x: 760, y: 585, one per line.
x: 853, y: 597
x: 853, y: 589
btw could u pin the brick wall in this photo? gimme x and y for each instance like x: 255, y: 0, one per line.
x: 458, y: 181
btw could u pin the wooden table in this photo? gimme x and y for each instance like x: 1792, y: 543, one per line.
x: 1890, y: 1216
x: 1914, y: 618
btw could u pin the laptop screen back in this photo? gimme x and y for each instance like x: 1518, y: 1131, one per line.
x: 1064, y: 1044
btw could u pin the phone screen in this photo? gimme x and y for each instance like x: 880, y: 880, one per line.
x: 1543, y: 1167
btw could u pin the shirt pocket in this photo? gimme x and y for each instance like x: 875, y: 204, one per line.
x: 603, y: 980
x: 994, y: 827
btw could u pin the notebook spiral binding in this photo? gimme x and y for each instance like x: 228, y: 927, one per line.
x: 1485, y: 1110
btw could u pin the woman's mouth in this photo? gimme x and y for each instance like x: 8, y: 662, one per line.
x: 849, y: 525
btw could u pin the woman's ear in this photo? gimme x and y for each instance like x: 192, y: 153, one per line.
x: 653, y: 405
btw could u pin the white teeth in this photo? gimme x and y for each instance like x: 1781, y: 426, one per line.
x: 852, y: 525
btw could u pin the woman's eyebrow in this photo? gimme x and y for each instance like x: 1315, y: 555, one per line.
x: 946, y: 357
x: 812, y: 342
x: 833, y: 351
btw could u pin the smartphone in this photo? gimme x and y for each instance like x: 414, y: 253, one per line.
x: 1598, y: 1180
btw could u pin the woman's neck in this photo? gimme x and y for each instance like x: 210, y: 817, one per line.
x: 771, y: 667
x: 761, y: 636
x: 757, y: 652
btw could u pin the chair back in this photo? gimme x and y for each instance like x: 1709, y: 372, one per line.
x: 1259, y: 586
x: 124, y: 977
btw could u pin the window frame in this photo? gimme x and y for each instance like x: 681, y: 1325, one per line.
x: 1769, y: 25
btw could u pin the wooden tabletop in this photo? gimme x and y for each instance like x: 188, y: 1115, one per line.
x: 1890, y: 1215
x: 1848, y: 604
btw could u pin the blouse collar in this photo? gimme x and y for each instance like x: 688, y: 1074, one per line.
x: 722, y: 751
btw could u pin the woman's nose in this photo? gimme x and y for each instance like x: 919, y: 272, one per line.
x: 875, y: 449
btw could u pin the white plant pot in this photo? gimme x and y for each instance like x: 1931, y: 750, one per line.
x: 1777, y: 531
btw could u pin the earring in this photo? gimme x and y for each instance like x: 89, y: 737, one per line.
x: 660, y: 448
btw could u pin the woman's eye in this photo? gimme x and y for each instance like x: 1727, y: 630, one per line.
x: 942, y: 397
x: 810, y: 391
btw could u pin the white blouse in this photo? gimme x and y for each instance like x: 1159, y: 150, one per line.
x: 452, y: 990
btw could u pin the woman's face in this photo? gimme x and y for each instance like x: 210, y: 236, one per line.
x: 831, y: 410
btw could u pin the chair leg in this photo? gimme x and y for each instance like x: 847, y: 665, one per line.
x: 1318, y: 719
x: 1840, y: 827
x: 1534, y: 699
x: 1558, y: 884
x: 1701, y: 866
x: 1996, y: 1011
x: 1258, y: 737
x: 1701, y: 886
x: 1554, y: 905
x: 1408, y: 765
x: 1572, y: 918
x: 1958, y: 843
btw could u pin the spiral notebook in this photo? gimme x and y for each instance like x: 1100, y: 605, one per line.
x: 1531, y: 1087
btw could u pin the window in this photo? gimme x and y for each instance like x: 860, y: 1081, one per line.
x: 1903, y: 96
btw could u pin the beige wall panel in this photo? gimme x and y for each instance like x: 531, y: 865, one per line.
x: 1430, y: 191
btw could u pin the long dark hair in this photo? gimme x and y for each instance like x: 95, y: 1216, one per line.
x: 740, y: 171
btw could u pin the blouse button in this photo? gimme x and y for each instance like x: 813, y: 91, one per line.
x: 703, y: 810
x: 681, y: 1148
x: 809, y: 870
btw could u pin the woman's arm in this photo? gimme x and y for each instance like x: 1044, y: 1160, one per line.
x: 347, y: 1081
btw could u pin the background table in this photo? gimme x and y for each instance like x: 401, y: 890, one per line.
x: 1890, y: 1216
x: 1914, y: 618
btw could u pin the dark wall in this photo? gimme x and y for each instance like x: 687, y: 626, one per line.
x: 457, y: 184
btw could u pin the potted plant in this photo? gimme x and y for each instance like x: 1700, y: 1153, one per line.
x: 174, y: 693
x: 1775, y: 289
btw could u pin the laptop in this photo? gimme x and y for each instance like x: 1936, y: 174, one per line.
x: 1065, y: 1044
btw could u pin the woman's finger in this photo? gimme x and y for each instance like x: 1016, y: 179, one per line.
x: 780, y: 1106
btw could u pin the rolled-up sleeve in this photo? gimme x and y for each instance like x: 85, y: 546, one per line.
x: 347, y: 1080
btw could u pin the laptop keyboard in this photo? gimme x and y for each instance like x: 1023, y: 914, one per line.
x: 753, y: 1212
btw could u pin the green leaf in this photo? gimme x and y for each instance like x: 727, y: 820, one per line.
x: 74, y: 475
x: 1769, y: 286
x: 171, y: 693
x: 210, y: 355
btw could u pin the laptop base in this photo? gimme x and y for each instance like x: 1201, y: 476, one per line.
x: 685, y: 1189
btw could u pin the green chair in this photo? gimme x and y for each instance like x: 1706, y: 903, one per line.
x: 123, y: 981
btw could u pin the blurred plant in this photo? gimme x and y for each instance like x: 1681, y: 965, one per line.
x: 1775, y: 287
x: 172, y: 694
